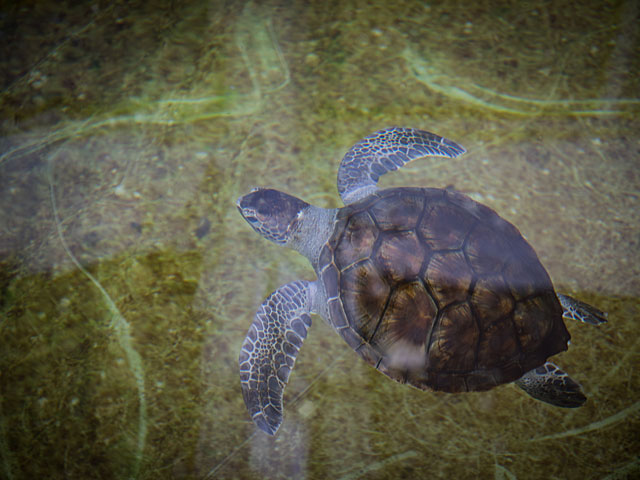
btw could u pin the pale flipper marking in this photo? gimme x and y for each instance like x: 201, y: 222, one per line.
x: 583, y: 312
x: 270, y: 349
x: 386, y: 151
x: 549, y: 384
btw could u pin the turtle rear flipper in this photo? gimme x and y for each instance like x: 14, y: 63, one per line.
x: 270, y: 349
x: 549, y: 384
x: 583, y: 312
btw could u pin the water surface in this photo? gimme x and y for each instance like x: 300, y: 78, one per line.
x: 128, y: 279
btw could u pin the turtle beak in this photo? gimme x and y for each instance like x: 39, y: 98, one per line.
x: 241, y: 209
x: 247, y: 212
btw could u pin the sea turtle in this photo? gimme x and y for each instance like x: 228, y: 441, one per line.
x: 429, y: 286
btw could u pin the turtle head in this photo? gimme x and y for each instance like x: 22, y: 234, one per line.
x: 273, y: 214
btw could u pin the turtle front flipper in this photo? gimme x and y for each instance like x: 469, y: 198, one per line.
x: 270, y: 349
x: 551, y: 385
x: 386, y: 151
x: 577, y: 310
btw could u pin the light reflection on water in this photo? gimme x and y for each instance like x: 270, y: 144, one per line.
x: 122, y: 317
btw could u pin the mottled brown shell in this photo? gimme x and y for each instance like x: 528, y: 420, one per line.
x: 436, y: 290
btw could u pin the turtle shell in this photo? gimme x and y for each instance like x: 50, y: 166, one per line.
x: 436, y: 290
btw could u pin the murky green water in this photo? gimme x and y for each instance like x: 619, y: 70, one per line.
x: 128, y: 279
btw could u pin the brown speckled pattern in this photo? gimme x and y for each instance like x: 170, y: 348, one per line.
x: 437, y: 291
